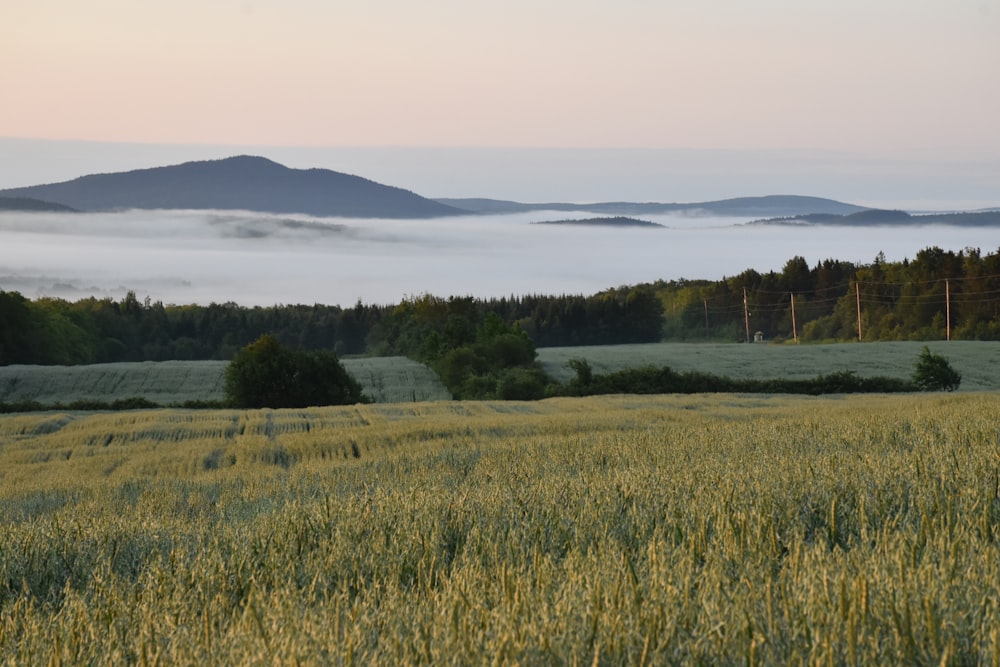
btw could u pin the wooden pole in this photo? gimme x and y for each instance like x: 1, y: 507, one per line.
x: 857, y: 295
x: 746, y: 313
x: 947, y: 309
x: 795, y: 334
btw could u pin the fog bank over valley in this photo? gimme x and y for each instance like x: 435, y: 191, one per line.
x: 202, y: 257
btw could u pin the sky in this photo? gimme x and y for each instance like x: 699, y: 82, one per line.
x: 874, y: 101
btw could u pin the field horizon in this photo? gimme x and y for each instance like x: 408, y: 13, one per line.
x: 383, y: 379
x: 977, y: 361
x: 402, y: 380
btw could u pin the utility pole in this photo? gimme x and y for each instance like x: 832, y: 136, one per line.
x: 947, y: 309
x: 746, y: 313
x: 857, y: 295
x: 795, y: 334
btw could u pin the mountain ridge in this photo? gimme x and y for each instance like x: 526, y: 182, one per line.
x: 255, y: 183
x: 239, y: 182
x: 616, y: 221
x: 765, y: 205
x: 31, y: 204
x: 888, y: 217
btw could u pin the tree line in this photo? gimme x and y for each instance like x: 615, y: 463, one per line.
x: 938, y: 294
x: 95, y: 330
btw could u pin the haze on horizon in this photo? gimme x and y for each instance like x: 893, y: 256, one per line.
x: 583, y: 100
x: 265, y: 259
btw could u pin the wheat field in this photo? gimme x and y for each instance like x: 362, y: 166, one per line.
x: 402, y: 380
x: 652, y: 530
x: 977, y: 361
x: 383, y: 379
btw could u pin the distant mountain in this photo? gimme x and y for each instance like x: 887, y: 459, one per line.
x: 769, y: 205
x: 617, y: 221
x: 29, y: 204
x: 881, y: 217
x: 243, y: 182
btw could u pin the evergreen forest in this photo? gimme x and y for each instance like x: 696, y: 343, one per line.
x: 936, y: 295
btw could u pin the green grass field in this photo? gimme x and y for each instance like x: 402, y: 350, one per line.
x: 639, y: 530
x: 384, y: 379
x: 977, y: 361
x: 402, y: 380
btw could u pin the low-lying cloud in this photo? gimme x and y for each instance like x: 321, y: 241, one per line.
x: 255, y: 259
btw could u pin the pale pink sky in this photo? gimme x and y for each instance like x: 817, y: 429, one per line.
x: 882, y: 76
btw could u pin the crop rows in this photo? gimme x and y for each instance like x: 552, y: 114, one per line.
x: 619, y: 530
x: 977, y: 361
x: 383, y: 379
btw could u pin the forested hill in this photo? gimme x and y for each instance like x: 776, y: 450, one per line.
x: 29, y: 204
x: 880, y: 217
x: 766, y: 206
x: 935, y: 295
x: 243, y: 182
x: 616, y: 221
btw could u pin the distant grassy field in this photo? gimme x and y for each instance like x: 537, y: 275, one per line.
x: 978, y: 362
x: 614, y: 530
x: 384, y: 379
x: 396, y: 380
x: 402, y: 380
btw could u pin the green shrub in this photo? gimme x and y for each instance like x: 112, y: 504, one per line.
x: 934, y: 373
x: 521, y: 384
x: 584, y: 373
x: 83, y: 405
x: 457, y: 365
x: 499, y: 364
x: 664, y: 380
x: 266, y: 375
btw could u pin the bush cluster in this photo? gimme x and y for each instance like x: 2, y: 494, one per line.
x: 498, y: 364
x: 933, y: 373
x: 265, y: 374
x: 133, y: 403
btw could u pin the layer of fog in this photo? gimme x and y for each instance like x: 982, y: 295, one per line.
x: 252, y: 259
